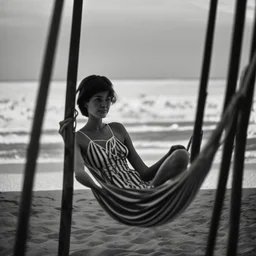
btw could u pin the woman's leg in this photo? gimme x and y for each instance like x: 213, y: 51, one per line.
x: 175, y: 164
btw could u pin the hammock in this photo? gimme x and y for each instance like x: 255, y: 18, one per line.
x: 156, y: 206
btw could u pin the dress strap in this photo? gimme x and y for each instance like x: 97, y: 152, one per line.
x: 110, y: 130
x: 85, y: 135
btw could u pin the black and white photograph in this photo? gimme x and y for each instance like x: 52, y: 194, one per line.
x: 127, y: 127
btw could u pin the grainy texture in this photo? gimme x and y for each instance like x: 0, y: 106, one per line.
x: 95, y: 233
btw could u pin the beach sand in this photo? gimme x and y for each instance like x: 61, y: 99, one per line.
x: 95, y: 233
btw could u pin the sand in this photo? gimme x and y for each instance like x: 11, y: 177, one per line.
x: 95, y: 233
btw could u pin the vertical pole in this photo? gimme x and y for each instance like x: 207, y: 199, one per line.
x: 204, y: 80
x: 67, y: 191
x: 238, y: 169
x: 228, y: 146
x: 33, y: 148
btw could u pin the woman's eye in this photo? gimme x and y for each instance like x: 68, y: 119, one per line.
x: 99, y: 100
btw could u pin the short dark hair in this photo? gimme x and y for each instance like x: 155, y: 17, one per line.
x: 90, y: 86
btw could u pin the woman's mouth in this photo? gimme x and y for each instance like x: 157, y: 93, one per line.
x: 103, y: 111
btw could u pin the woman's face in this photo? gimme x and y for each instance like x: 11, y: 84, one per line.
x: 99, y: 104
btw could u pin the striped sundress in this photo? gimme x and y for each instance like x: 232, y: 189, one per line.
x: 111, y: 162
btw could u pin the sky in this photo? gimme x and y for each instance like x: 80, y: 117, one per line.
x: 122, y: 39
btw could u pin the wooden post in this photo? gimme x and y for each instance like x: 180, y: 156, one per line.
x: 228, y: 145
x: 204, y: 81
x: 67, y: 191
x: 239, y: 155
x: 33, y: 148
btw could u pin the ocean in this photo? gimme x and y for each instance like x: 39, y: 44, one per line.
x: 156, y: 113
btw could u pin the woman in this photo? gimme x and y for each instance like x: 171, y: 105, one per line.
x: 107, y: 147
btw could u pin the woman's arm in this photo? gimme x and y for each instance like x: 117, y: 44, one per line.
x: 80, y: 174
x: 146, y: 173
x: 152, y: 170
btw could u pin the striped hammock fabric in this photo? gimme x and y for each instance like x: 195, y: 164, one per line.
x: 156, y: 206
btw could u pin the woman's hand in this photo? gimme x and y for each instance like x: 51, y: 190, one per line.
x: 63, y: 125
x: 175, y: 147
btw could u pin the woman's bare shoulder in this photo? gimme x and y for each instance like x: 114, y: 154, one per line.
x: 78, y: 134
x: 119, y: 131
x: 118, y: 127
x: 80, y: 139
